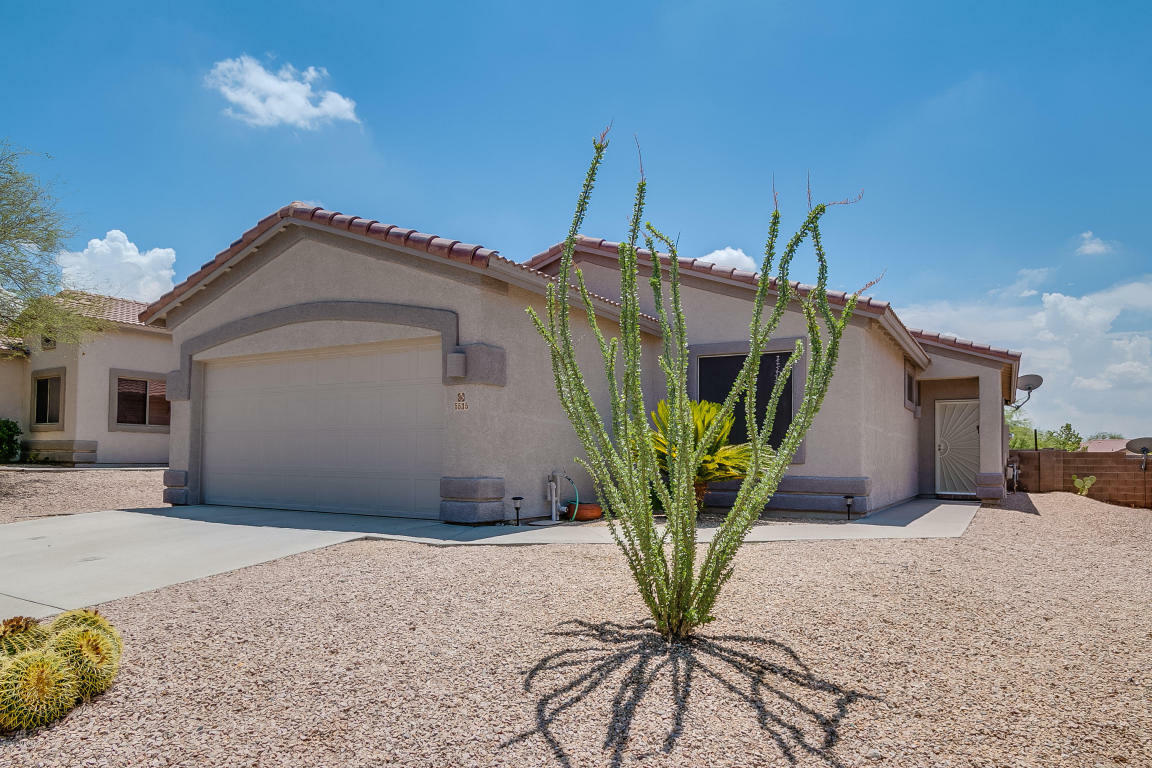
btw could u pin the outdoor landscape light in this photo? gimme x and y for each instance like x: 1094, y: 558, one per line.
x: 516, y: 501
x: 848, y: 501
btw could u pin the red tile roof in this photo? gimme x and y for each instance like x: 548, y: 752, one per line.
x: 699, y: 266
x: 963, y: 344
x: 112, y: 308
x: 453, y: 250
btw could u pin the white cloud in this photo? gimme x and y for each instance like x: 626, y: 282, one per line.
x: 1095, y: 376
x: 731, y: 257
x: 286, y: 96
x: 1027, y: 280
x: 1090, y: 245
x: 115, y: 266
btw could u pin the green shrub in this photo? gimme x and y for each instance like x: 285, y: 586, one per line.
x: 9, y: 440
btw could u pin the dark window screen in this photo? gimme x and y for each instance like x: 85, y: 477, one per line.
x: 159, y: 410
x: 48, y: 400
x: 131, y: 401
x: 718, y: 374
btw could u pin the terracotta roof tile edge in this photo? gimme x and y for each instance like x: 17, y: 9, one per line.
x: 434, y: 245
x: 947, y: 340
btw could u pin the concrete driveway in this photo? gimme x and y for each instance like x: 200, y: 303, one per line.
x: 57, y: 563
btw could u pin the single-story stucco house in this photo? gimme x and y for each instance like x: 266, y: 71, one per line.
x: 330, y: 362
x: 99, y: 402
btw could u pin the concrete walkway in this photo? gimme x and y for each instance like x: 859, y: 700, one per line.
x: 57, y: 563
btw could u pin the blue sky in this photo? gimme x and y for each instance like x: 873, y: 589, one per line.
x: 1002, y: 148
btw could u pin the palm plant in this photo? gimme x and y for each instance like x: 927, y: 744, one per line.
x: 623, y: 460
x: 720, y: 460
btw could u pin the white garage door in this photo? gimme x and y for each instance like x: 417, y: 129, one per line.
x: 347, y: 429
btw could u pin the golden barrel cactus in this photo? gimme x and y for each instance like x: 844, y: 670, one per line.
x: 88, y: 619
x: 37, y: 687
x: 91, y: 654
x: 21, y: 633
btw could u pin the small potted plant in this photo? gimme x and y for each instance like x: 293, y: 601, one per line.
x: 584, y: 512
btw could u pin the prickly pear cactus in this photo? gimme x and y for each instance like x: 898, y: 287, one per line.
x: 91, y: 654
x: 1083, y: 484
x: 89, y: 619
x: 36, y: 688
x: 21, y: 633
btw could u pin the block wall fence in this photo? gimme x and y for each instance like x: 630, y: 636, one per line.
x: 1119, y: 479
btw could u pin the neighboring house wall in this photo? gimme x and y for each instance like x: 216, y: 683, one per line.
x: 13, y: 397
x: 124, y: 348
x: 517, y: 432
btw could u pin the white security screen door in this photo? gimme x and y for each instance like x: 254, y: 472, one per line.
x: 957, y: 446
x: 356, y: 429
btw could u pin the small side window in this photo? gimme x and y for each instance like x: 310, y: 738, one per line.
x: 47, y: 400
x: 911, y: 390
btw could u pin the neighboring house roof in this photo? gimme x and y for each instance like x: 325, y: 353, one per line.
x: 1107, y: 445
x: 451, y: 250
x: 113, y: 308
x: 12, y: 347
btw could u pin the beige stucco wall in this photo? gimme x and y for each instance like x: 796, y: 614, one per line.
x: 890, y: 443
x: 518, y: 432
x: 64, y: 356
x: 13, y: 386
x: 124, y: 348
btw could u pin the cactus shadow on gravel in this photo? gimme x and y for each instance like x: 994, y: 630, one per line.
x: 763, y: 681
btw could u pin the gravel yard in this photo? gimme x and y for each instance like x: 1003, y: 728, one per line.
x: 1024, y: 643
x: 28, y: 494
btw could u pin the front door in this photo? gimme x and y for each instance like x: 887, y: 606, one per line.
x: 957, y: 446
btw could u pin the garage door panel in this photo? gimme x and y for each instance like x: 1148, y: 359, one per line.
x: 357, y: 429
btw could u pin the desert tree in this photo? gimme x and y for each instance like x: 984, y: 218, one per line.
x: 678, y: 583
x: 32, y: 232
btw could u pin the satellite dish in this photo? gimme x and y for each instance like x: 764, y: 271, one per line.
x: 1029, y: 382
x: 1140, y: 445
x: 1143, y: 446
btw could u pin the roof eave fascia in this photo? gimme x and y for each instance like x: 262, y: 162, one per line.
x: 897, y: 330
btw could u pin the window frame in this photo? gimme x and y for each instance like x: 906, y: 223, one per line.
x: 910, y: 371
x: 49, y: 426
x: 774, y: 346
x: 114, y: 376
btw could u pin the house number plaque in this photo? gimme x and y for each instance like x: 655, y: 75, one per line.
x: 461, y: 403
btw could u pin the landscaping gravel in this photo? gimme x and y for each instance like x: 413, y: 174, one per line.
x: 27, y: 494
x: 1023, y: 643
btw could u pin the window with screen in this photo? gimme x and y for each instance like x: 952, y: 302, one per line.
x: 718, y: 373
x: 141, y: 402
x: 47, y: 406
x: 911, y: 391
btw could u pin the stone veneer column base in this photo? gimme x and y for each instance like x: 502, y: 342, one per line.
x: 990, y: 487
x: 67, y: 452
x: 472, y: 500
